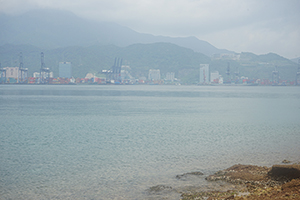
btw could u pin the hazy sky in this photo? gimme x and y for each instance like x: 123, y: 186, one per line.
x: 258, y: 26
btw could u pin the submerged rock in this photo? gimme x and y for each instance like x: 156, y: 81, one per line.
x: 190, y: 173
x: 159, y: 188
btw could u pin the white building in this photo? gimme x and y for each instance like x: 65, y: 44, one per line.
x: 214, y: 77
x: 154, y: 74
x: 44, y: 74
x: 16, y: 73
x: 204, y: 74
x: 170, y: 76
x: 12, y: 72
x: 221, y: 81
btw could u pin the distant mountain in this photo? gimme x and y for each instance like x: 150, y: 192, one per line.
x: 270, y: 58
x: 57, y: 29
x: 92, y: 46
x: 296, y: 60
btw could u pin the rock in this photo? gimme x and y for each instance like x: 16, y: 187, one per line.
x: 230, y: 197
x: 159, y: 188
x: 187, y: 174
x: 293, y: 185
x: 285, y: 172
x: 286, y: 161
x: 278, y: 182
x: 240, y: 174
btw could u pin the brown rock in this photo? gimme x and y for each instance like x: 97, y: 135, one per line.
x: 285, y: 171
x: 293, y: 185
x: 230, y: 197
x: 240, y: 174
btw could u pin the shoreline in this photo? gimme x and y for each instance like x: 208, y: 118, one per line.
x: 242, y: 182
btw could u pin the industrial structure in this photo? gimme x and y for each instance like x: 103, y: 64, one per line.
x: 237, y: 75
x: 3, y: 74
x: 275, y: 76
x: 44, y: 72
x: 23, y: 78
x: 204, y: 74
x: 228, y: 81
x: 113, y: 75
x: 125, y: 74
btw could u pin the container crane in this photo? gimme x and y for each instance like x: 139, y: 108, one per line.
x: 44, y: 72
x: 3, y: 74
x: 23, y: 71
x: 275, y: 76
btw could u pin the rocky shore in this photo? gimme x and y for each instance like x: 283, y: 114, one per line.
x: 254, y: 183
x: 241, y: 182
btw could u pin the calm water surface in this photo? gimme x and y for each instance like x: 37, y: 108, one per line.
x: 114, y: 142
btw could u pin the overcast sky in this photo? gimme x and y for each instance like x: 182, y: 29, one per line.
x: 258, y: 26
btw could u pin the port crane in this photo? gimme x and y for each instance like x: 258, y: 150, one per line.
x: 113, y: 75
x: 23, y: 71
x: 3, y: 74
x: 237, y: 73
x: 44, y: 72
x: 275, y: 76
x: 228, y: 74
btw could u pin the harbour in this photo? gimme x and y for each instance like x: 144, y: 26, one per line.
x: 117, y: 141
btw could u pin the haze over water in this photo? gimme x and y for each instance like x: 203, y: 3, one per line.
x: 114, y: 142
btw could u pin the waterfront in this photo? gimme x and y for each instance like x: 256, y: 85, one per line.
x: 114, y: 142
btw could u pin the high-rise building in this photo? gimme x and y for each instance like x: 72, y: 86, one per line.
x: 204, y: 74
x: 65, y: 70
x: 154, y: 74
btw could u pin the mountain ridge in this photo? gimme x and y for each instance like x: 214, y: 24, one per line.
x: 92, y: 46
x: 55, y: 28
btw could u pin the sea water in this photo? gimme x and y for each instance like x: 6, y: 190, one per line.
x: 117, y: 141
